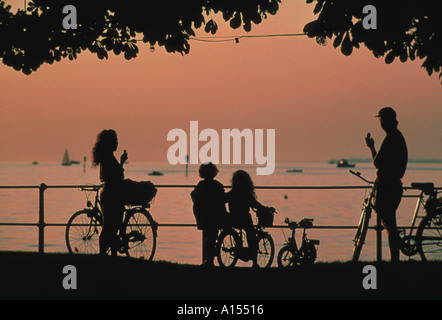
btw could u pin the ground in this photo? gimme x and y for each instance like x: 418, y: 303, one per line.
x: 31, y: 275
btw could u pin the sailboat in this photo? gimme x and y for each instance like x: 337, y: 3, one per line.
x: 66, y: 161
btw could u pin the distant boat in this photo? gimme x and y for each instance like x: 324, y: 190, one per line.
x: 344, y: 164
x: 66, y: 161
x: 155, y: 173
x: 294, y: 170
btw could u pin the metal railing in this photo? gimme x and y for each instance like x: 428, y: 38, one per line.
x: 41, y: 224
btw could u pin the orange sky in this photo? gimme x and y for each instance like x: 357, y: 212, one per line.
x: 320, y: 102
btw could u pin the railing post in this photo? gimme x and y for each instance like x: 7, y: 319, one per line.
x: 41, y: 218
x: 378, y: 238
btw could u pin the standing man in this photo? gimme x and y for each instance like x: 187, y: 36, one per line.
x: 391, y: 163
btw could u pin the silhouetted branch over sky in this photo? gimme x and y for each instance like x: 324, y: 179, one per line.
x: 406, y: 29
x: 37, y: 36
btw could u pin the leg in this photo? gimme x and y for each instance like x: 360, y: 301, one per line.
x: 388, y: 198
x: 252, y: 243
x: 113, y: 217
x: 210, y: 242
x: 394, y: 240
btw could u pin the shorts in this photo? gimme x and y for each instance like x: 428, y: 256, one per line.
x: 388, y: 196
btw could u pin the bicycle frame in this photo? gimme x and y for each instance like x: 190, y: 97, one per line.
x: 420, y: 202
x: 291, y: 241
x: 96, y: 206
x: 290, y: 254
x: 242, y: 238
x: 136, y: 223
x: 293, y: 244
x: 231, y: 247
x: 408, y: 247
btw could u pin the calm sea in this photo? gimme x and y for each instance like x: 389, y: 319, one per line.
x: 173, y: 205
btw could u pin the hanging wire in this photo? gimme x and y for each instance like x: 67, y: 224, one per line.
x: 217, y: 39
x: 236, y: 39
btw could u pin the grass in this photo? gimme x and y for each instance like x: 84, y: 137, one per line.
x: 31, y: 275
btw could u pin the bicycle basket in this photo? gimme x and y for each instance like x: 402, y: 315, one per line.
x: 138, y: 193
x: 265, y: 216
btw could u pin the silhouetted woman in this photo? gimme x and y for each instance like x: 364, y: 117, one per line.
x: 112, y: 176
x: 241, y: 198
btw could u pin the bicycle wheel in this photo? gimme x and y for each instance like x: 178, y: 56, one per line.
x: 266, y: 250
x: 140, y: 237
x: 309, y: 253
x: 83, y: 232
x: 286, y: 258
x: 429, y: 237
x: 361, y: 233
x: 228, y: 241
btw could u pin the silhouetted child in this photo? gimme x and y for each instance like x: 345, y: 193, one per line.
x: 209, y: 208
x: 241, y: 198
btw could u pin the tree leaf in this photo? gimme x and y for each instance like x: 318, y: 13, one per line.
x: 338, y: 40
x: 389, y: 58
x: 346, y: 46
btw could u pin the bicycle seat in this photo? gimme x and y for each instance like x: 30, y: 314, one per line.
x: 426, y: 187
x: 306, y: 223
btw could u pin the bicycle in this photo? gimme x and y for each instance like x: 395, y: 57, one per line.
x: 367, y: 209
x: 137, y: 235
x: 425, y: 239
x: 289, y: 255
x: 230, y: 244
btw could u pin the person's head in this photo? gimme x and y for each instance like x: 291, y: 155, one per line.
x: 107, y: 143
x: 242, y: 182
x: 208, y: 171
x: 387, y: 117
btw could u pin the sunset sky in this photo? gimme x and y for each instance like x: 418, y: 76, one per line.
x: 320, y: 102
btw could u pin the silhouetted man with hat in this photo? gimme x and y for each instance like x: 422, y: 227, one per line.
x: 391, y: 163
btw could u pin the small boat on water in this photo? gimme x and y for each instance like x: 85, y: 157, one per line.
x: 155, y: 173
x: 345, y: 164
x: 294, y: 170
x: 66, y: 161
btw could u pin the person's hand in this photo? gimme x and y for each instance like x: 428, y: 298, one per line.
x: 124, y: 157
x: 369, y: 141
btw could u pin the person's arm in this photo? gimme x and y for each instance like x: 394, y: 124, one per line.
x: 254, y: 203
x: 123, y: 158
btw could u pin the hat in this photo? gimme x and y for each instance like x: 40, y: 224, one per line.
x: 387, y: 113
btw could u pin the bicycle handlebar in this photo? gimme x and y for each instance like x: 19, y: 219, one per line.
x: 89, y: 188
x: 358, y: 174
